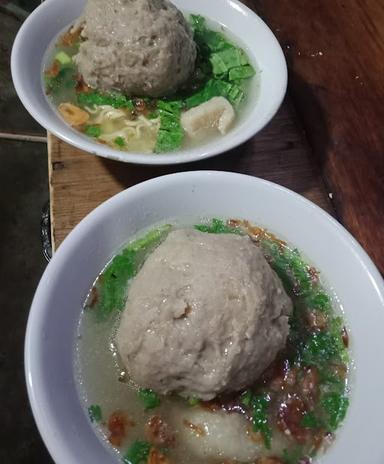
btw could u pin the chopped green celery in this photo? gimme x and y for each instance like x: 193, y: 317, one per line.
x: 170, y: 106
x: 149, y: 398
x: 120, y: 141
x: 293, y: 456
x: 226, y: 59
x: 197, y: 22
x: 122, y: 268
x: 216, y: 88
x: 335, y: 407
x: 114, y: 281
x: 300, y: 271
x: 238, y: 82
x: 289, y: 265
x: 168, y: 141
x: 171, y: 134
x: 206, y: 38
x: 246, y: 398
x: 94, y: 412
x: 260, y: 418
x: 215, y: 41
x: 93, y: 131
x: 213, y: 88
x: 330, y: 380
x: 193, y: 401
x: 151, y: 239
x: 137, y: 453
x: 169, y: 122
x: 322, y: 347
x: 235, y: 95
x: 64, y: 78
x: 63, y: 58
x: 320, y: 301
x: 244, y: 60
x: 115, y: 99
x: 278, y: 262
x: 217, y: 226
x: 258, y: 405
x: 316, y: 349
x: 222, y: 88
x: 219, y: 67
x: 201, y: 96
x: 241, y: 72
x: 310, y: 421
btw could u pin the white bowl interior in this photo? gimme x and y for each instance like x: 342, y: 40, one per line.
x: 52, y: 16
x: 67, y: 279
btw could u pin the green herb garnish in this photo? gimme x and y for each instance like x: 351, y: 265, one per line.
x: 65, y: 78
x: 171, y: 134
x: 119, y: 141
x: 153, y: 115
x: 320, y: 301
x: 168, y: 141
x: 207, y: 40
x: 335, y: 407
x: 193, y: 401
x: 292, y: 457
x: 217, y: 226
x: 93, y: 131
x: 149, y: 398
x: 320, y: 348
x: 246, y: 398
x: 310, y: 421
x: 241, y: 72
x: 258, y: 404
x: 216, y: 88
x: 225, y: 60
x: 94, y: 412
x: 260, y: 418
x: 289, y: 266
x: 137, y: 453
x: 115, y: 99
x: 63, y: 58
x: 122, y: 268
x: 197, y: 23
x: 219, y: 61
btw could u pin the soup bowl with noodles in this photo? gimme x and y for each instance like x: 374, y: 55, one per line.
x: 216, y: 84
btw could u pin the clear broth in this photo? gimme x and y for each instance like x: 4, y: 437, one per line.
x: 103, y: 381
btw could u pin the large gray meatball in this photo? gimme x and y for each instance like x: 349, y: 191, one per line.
x: 205, y: 315
x: 140, y: 47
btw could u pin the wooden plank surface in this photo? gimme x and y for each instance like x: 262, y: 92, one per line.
x: 80, y: 181
x: 335, y: 51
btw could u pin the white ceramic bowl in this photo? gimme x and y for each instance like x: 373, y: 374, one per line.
x: 56, y: 307
x: 43, y: 25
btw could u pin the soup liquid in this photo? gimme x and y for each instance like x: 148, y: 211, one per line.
x: 103, y: 381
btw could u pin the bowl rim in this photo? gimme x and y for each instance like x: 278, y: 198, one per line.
x: 82, y: 142
x: 32, y: 340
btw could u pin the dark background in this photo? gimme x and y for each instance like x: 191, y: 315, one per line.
x: 23, y: 193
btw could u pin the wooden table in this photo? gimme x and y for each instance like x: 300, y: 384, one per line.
x: 327, y: 141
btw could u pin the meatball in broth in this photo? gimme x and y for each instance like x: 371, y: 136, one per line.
x: 209, y: 314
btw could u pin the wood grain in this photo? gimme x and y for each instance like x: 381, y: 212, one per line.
x: 335, y: 53
x: 79, y: 181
